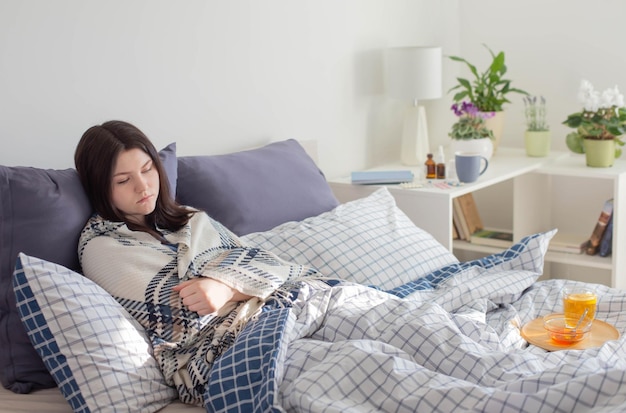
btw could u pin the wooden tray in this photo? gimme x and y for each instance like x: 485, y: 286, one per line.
x: 600, y: 333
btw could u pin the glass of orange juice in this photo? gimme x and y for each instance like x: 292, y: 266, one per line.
x: 579, y: 301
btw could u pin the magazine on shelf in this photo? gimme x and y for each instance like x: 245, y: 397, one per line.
x: 492, y: 237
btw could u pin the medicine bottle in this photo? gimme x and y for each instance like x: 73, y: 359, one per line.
x: 431, y: 167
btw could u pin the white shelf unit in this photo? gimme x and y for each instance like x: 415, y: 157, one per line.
x: 568, y: 195
x: 530, y: 195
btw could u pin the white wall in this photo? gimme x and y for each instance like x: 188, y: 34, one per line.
x: 550, y: 47
x: 214, y: 76
x: 217, y: 76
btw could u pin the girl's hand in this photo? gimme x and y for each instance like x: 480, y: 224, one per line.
x: 207, y: 295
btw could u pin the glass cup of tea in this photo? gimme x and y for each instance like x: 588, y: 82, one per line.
x: 579, y: 306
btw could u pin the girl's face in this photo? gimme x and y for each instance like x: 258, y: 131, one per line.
x: 135, y: 185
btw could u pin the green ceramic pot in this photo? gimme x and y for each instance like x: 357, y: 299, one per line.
x: 599, y: 153
x: 537, y: 143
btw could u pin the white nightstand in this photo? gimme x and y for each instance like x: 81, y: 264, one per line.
x: 430, y: 208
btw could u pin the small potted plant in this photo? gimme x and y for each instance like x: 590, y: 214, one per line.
x: 488, y: 91
x: 537, y: 135
x: 470, y: 132
x: 599, y: 126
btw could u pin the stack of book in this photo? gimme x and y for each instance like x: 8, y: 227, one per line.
x: 468, y: 226
x: 567, y: 242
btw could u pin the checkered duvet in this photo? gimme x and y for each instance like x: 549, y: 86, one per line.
x: 453, y: 346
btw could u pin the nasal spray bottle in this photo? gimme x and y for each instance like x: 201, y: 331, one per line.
x: 441, y: 164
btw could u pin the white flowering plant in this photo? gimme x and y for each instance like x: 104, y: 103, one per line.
x: 603, y: 118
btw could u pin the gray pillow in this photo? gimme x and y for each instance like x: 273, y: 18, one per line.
x: 42, y: 212
x: 255, y: 190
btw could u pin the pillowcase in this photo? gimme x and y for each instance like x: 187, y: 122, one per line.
x: 42, y: 212
x: 369, y: 241
x: 255, y: 190
x: 527, y: 255
x: 99, y: 356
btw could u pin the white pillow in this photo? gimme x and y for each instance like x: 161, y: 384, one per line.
x: 369, y: 241
x: 99, y: 356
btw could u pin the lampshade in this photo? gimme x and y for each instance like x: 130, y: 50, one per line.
x: 413, y: 73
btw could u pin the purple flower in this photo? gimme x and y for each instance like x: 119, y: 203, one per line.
x: 456, y: 110
x: 469, y: 109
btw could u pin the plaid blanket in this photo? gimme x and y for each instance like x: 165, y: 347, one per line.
x: 140, y: 272
x: 450, y: 346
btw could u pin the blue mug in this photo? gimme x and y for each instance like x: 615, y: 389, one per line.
x: 468, y: 166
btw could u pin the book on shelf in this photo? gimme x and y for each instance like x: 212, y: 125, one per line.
x: 493, y: 238
x: 470, y: 211
x: 465, y: 216
x: 382, y: 177
x: 606, y: 243
x: 568, y: 242
x: 456, y: 223
x: 600, y: 227
x: 455, y: 232
x: 460, y: 219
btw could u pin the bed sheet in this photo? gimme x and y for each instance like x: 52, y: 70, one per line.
x: 456, y: 347
x: 52, y: 401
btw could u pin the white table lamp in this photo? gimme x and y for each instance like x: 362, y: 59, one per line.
x: 414, y: 74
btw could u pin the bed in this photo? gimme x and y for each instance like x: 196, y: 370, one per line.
x: 397, y: 323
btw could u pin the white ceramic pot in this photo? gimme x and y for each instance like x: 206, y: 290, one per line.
x: 496, y: 124
x: 482, y: 146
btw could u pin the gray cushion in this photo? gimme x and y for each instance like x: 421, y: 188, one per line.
x: 255, y: 190
x: 42, y: 212
x: 170, y: 164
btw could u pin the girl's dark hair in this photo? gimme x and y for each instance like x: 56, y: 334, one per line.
x: 95, y: 155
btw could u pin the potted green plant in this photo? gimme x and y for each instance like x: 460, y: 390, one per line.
x: 488, y: 90
x: 470, y: 132
x: 599, y: 126
x: 537, y: 135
